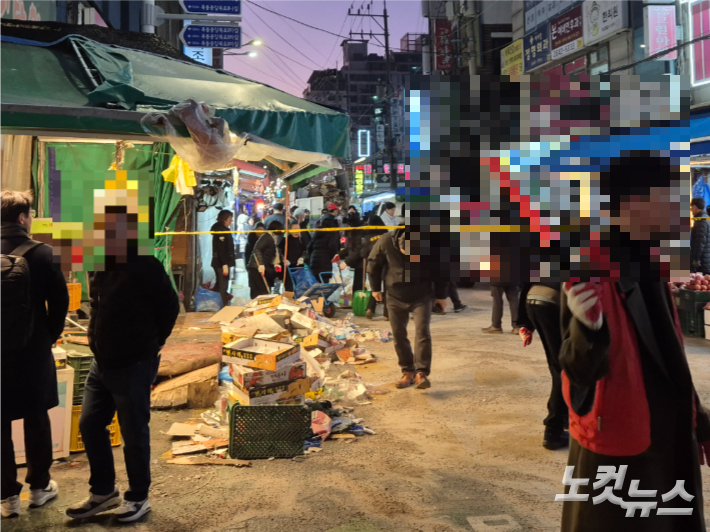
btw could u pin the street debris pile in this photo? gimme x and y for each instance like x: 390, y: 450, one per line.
x: 276, y: 352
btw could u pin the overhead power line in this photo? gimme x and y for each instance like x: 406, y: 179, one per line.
x: 659, y: 54
x: 318, y: 29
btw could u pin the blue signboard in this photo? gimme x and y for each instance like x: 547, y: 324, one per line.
x: 538, y: 12
x: 211, y: 36
x: 221, y: 7
x: 536, y: 48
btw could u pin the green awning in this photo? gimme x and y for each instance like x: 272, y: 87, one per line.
x: 45, y: 87
x: 305, y: 174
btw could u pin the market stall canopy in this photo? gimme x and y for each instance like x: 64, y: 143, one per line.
x: 78, y: 85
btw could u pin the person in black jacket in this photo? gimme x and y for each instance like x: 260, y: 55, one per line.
x: 369, y: 240
x: 264, y: 262
x: 296, y: 251
x: 324, y: 247
x: 223, y: 256
x: 29, y: 376
x: 251, y: 241
x: 403, y: 298
x: 699, y: 239
x: 133, y: 310
x: 539, y: 310
x: 351, y: 254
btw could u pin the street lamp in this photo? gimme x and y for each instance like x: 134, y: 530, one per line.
x: 255, y: 42
x: 250, y: 54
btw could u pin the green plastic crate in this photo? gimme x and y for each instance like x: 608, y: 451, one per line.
x: 262, y: 432
x: 81, y: 365
x: 692, y: 323
x: 692, y: 301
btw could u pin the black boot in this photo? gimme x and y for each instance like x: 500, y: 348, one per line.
x: 555, y: 439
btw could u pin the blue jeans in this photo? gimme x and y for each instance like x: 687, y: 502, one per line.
x: 126, y: 390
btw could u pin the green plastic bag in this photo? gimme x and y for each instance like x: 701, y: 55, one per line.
x: 361, y: 298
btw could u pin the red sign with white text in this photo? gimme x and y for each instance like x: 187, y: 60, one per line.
x: 444, y: 48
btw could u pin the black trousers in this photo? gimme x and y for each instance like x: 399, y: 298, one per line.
x: 454, y: 295
x: 257, y: 287
x: 420, y: 358
x: 126, y: 390
x: 545, y: 317
x: 512, y: 293
x: 221, y: 284
x: 38, y: 453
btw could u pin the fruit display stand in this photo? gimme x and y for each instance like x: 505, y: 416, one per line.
x: 60, y: 417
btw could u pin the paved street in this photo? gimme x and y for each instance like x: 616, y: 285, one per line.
x: 465, y: 455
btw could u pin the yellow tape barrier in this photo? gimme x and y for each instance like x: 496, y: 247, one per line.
x: 365, y: 228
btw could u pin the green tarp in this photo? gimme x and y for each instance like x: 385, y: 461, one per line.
x: 47, y: 88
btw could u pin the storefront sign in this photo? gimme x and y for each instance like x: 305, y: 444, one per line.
x: 359, y: 180
x: 511, y: 59
x: 603, y: 18
x: 659, y: 31
x: 444, y: 59
x: 536, y: 48
x: 700, y: 56
x: 541, y: 11
x: 44, y: 10
x: 567, y: 33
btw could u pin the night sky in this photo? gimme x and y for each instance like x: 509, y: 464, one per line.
x: 292, y: 43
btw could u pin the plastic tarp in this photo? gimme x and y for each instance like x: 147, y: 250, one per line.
x: 46, y: 87
x: 700, y: 126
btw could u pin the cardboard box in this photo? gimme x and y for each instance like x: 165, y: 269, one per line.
x: 247, y: 352
x: 265, y: 302
x: 707, y: 332
x: 247, y: 378
x: 707, y: 316
x: 230, y: 335
x: 60, y: 357
x: 59, y: 416
x: 273, y: 394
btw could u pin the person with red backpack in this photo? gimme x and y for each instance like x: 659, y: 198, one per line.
x: 34, y: 305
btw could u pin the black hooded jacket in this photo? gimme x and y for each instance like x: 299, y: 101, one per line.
x: 324, y: 246
x: 133, y: 311
x: 386, y: 253
x: 700, y: 245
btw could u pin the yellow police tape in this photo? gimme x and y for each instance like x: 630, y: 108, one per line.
x: 365, y: 228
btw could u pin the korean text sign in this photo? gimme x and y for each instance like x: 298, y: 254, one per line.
x: 659, y: 31
x: 512, y: 59
x: 567, y: 33
x: 603, y: 18
x: 444, y: 47
x: 536, y: 48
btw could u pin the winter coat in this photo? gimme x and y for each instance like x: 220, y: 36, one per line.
x: 222, y: 248
x: 296, y: 248
x: 632, y: 402
x: 700, y: 246
x: 264, y: 251
x: 276, y: 217
x: 251, y: 242
x: 324, y: 246
x: 133, y: 312
x: 386, y: 253
x: 306, y: 235
x: 29, y: 376
x: 243, y: 225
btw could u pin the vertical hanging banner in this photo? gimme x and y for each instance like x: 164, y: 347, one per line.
x: 530, y: 14
x: 536, y: 48
x: 603, y: 18
x: 659, y: 31
x: 567, y: 33
x: 444, y: 59
x: 511, y: 59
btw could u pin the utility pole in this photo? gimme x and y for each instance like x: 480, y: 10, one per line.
x: 389, y: 142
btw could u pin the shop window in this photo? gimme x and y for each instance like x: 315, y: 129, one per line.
x: 578, y: 66
x: 700, y: 25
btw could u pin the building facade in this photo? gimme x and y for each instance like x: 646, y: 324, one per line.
x: 359, y: 87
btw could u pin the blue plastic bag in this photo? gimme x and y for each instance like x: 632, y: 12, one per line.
x: 207, y: 301
x: 303, y: 279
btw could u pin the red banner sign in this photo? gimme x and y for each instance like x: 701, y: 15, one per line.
x: 444, y: 48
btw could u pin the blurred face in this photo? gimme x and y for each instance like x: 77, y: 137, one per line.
x: 335, y: 212
x: 26, y: 219
x: 696, y: 212
x: 228, y: 221
x: 391, y: 211
x: 352, y: 211
x: 118, y: 231
x: 657, y: 216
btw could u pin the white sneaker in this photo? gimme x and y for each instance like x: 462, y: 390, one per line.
x: 11, y: 506
x: 94, y: 504
x: 41, y: 497
x: 132, y: 511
